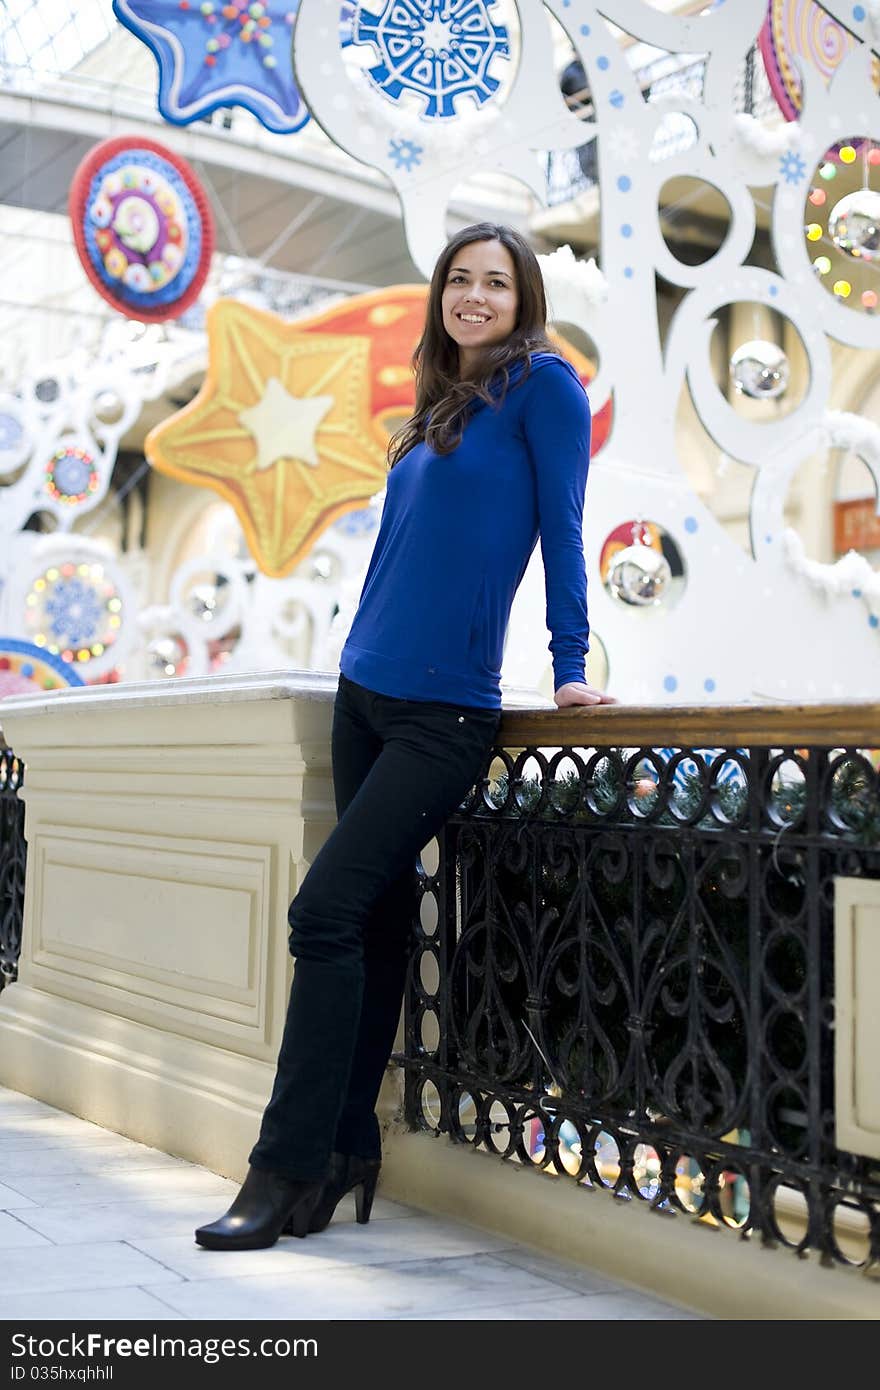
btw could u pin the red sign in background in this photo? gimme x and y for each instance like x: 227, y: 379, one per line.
x: 856, y: 525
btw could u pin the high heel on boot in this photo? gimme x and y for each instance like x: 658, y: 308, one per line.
x: 268, y: 1205
x: 347, y: 1172
x: 366, y: 1191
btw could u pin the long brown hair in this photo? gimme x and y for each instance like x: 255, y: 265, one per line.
x: 441, y: 392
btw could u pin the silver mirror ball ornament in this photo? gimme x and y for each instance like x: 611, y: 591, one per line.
x: 760, y: 370
x: 165, y: 655
x: 854, y: 225
x: 203, y: 602
x: 639, y: 575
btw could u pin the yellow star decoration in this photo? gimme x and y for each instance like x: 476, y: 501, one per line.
x: 276, y: 402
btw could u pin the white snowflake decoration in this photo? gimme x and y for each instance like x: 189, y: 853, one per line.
x: 622, y: 144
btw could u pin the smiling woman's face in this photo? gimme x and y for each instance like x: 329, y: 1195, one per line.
x: 480, y: 299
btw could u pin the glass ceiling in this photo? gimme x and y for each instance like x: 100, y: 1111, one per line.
x: 52, y: 35
x: 55, y: 35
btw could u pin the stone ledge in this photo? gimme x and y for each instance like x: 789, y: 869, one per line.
x: 679, y: 1260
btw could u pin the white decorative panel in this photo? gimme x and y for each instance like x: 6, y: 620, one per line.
x: 857, y: 1014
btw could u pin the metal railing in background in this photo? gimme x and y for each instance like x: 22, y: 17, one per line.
x: 13, y: 859
x: 623, y: 966
x: 570, y: 172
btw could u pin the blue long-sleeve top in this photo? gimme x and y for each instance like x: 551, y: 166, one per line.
x: 456, y: 536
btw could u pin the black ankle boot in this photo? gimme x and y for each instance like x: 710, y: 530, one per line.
x: 347, y: 1171
x: 267, y: 1205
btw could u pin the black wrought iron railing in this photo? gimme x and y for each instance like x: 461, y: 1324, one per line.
x: 13, y: 857
x: 623, y: 967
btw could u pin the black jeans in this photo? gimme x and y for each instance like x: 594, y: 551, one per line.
x: 400, y: 768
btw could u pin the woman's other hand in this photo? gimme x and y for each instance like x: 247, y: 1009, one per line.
x: 579, y: 693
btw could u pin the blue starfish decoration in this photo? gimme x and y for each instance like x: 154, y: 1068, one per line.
x: 221, y: 53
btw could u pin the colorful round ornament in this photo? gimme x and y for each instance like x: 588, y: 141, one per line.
x: 842, y: 223
x: 74, y: 611
x: 801, y: 30
x: 143, y: 227
x: 28, y: 670
x: 71, y: 475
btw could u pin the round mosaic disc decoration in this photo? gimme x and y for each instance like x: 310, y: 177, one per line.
x: 71, y: 475
x: 435, y: 50
x: 26, y: 669
x: 74, y: 611
x: 803, y: 30
x: 142, y: 226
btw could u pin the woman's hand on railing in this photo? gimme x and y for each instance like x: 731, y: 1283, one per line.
x: 579, y: 693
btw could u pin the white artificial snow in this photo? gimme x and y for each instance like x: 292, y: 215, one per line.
x: 572, y: 286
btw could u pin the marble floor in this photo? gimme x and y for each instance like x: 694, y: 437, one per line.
x: 94, y: 1225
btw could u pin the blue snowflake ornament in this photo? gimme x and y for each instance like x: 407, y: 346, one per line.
x: 405, y: 154
x: 792, y: 168
x: 437, y: 49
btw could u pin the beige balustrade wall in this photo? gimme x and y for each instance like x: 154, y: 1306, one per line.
x: 168, y: 827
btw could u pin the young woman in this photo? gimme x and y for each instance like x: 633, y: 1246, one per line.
x: 496, y: 453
